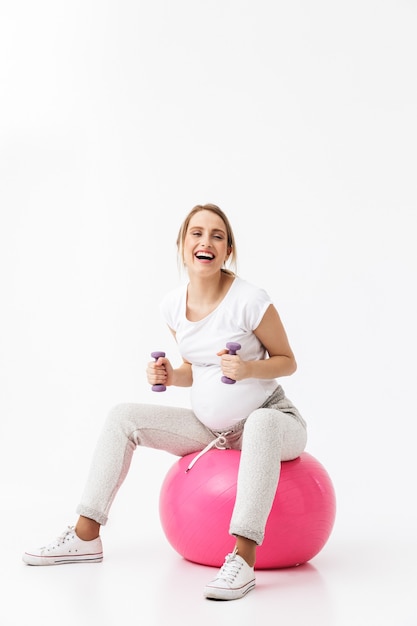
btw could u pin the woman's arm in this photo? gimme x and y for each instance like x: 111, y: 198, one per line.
x: 161, y: 372
x: 181, y: 376
x: 281, y: 362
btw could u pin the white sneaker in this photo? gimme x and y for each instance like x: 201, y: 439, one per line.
x: 234, y: 580
x: 67, y: 548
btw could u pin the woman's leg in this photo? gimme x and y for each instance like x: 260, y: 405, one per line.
x: 173, y: 429
x: 269, y: 437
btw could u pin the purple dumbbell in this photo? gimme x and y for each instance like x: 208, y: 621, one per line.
x: 232, y: 348
x: 156, y: 356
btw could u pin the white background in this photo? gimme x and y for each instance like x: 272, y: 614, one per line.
x: 299, y: 120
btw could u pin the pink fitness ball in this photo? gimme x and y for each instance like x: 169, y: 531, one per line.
x: 196, y: 506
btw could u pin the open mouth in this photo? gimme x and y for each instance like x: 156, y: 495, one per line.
x: 204, y: 256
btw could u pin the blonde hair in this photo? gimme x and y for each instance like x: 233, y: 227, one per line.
x: 231, y: 244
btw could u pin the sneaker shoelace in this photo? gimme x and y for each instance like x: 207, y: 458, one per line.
x: 230, y: 568
x: 59, y: 540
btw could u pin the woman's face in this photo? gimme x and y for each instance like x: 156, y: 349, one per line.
x: 205, y: 243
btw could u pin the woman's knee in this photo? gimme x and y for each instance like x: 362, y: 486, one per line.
x: 275, y: 424
x: 266, y: 418
x: 121, y: 415
x: 264, y: 424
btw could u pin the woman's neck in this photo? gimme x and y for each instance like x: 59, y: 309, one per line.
x: 203, y: 296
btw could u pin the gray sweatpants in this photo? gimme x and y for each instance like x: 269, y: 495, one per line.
x: 272, y: 433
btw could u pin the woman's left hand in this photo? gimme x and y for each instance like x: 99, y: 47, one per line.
x: 232, y: 365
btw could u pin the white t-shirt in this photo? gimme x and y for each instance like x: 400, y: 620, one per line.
x: 216, y: 404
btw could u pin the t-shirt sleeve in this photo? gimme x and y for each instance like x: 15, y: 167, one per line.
x: 166, y: 311
x: 169, y: 308
x: 258, y: 302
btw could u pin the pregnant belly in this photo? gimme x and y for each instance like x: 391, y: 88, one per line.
x: 219, y: 405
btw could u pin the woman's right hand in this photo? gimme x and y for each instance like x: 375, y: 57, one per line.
x: 159, y: 372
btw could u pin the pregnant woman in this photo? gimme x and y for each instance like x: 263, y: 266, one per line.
x: 213, y: 308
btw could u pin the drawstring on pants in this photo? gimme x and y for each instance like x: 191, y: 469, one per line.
x: 219, y: 443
